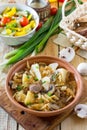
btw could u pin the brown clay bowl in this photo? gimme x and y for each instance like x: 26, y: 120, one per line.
x: 46, y: 59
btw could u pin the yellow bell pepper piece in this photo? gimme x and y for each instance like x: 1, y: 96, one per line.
x: 17, y: 29
x: 52, y: 0
x: 29, y: 17
x: 27, y: 27
x: 11, y: 22
x: 11, y: 13
x: 21, y: 33
x: 6, y: 10
x: 8, y: 31
x: 32, y: 23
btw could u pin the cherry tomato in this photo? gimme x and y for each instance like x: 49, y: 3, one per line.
x: 53, y: 10
x: 39, y: 26
x: 61, y: 1
x: 5, y: 20
x: 24, y: 21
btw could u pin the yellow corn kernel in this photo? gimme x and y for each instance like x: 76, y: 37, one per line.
x: 29, y: 17
x: 11, y: 13
x: 8, y: 31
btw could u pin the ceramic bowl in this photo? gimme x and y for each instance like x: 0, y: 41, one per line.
x: 12, y: 40
x: 46, y: 59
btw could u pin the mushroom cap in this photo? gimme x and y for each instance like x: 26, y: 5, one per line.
x: 36, y: 87
x: 67, y: 54
x: 81, y: 110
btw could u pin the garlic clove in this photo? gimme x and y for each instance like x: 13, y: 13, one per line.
x: 81, y: 110
x: 67, y: 54
x: 82, y: 68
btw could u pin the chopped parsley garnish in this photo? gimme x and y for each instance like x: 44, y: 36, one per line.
x: 43, y: 82
x: 19, y: 88
x: 49, y: 94
x: 36, y: 79
x: 28, y: 76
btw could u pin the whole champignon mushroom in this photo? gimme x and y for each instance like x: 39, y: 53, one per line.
x: 36, y: 87
x: 67, y: 54
x: 81, y: 110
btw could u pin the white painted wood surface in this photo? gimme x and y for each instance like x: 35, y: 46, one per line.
x: 71, y: 123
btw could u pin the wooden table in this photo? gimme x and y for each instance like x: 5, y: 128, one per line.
x: 70, y: 123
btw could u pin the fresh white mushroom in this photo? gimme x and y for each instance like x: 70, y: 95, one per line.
x: 53, y: 66
x: 67, y: 54
x: 81, y: 110
x: 36, y: 71
x: 63, y: 72
x: 82, y: 68
x: 46, y: 83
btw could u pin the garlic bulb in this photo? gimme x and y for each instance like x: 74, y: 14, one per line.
x: 82, y: 68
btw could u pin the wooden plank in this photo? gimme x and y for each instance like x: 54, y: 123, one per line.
x: 11, y: 123
x: 74, y: 123
x: 3, y: 120
x: 6, y: 121
x: 20, y: 127
x: 51, y: 49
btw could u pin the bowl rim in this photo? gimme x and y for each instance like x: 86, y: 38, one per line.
x: 71, y: 105
x: 21, y: 5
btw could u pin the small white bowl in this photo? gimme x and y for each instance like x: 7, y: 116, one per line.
x: 17, y: 40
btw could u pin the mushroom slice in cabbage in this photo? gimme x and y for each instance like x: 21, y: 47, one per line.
x: 64, y: 73
x: 53, y: 66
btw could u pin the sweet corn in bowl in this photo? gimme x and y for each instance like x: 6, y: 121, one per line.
x: 17, y: 23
